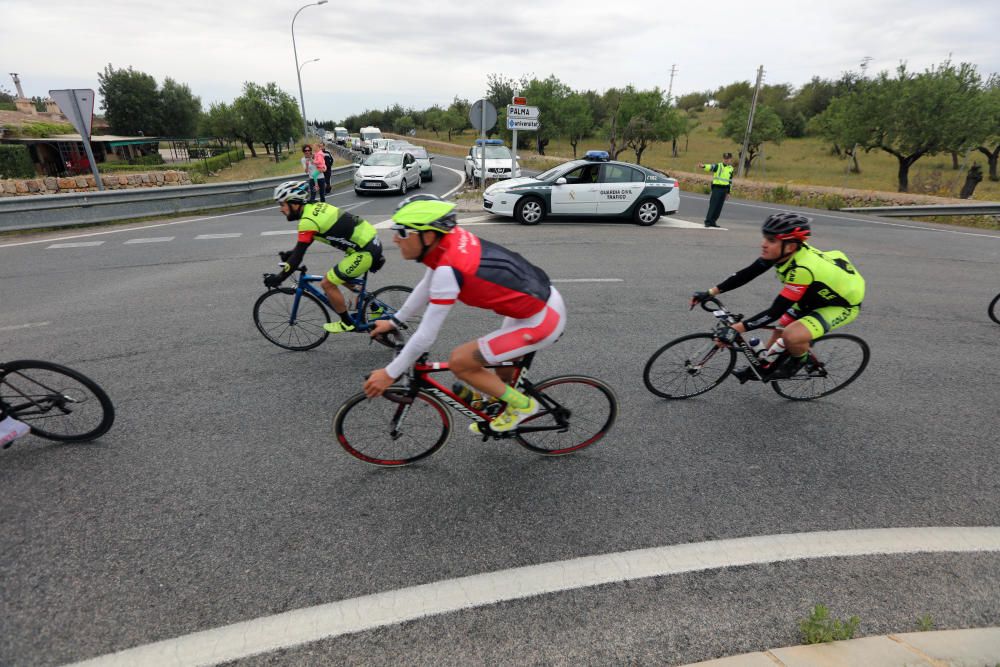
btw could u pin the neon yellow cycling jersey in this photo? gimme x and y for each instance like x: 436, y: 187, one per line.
x: 815, y: 279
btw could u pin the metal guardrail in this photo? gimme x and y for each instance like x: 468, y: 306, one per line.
x: 80, y: 208
x: 989, y: 208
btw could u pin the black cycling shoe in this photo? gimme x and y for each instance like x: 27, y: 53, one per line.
x: 785, y: 368
x: 744, y: 374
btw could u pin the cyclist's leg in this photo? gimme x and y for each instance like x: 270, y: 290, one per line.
x: 799, y: 336
x: 352, y: 266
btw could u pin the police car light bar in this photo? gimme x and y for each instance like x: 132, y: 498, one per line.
x: 597, y: 156
x: 489, y: 142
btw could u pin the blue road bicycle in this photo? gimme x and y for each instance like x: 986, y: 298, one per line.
x: 293, y: 317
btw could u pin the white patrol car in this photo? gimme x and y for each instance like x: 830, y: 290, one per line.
x: 498, y: 159
x: 591, y: 187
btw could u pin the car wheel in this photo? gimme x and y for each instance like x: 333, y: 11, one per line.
x: 358, y: 192
x: 402, y: 185
x: 529, y: 210
x: 647, y: 213
x: 420, y: 180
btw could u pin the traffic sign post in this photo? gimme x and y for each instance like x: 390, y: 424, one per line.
x: 78, y: 105
x: 520, y: 117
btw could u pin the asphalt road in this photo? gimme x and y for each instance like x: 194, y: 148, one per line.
x: 220, y: 495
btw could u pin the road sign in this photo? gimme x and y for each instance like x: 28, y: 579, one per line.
x: 478, y: 120
x: 530, y: 124
x: 520, y: 101
x: 517, y: 111
x: 78, y: 105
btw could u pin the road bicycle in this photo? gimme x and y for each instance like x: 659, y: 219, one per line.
x: 411, y: 420
x: 694, y: 364
x: 57, y: 402
x: 994, y: 309
x: 293, y: 317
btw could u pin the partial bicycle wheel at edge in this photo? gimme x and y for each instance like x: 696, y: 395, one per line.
x: 994, y: 309
x: 386, y: 432
x: 57, y: 402
x: 273, y: 316
x: 592, y: 409
x: 688, y: 366
x: 841, y: 359
x: 387, y: 301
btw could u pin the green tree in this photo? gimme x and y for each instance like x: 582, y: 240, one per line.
x: 180, y: 110
x: 271, y: 114
x: 434, y: 120
x: 130, y: 101
x: 224, y: 122
x: 403, y: 124
x: 766, y: 127
x: 647, y: 119
x: 577, y: 119
x: 547, y: 94
x: 990, y: 145
x: 727, y: 95
x: 694, y: 100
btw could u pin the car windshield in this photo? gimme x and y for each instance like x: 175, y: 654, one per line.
x: 550, y: 174
x: 371, y: 135
x: 384, y: 160
x: 492, y: 153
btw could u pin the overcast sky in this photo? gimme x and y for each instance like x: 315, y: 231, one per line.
x: 419, y: 53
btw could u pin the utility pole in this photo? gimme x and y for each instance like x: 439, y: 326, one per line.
x: 670, y: 88
x: 753, y: 109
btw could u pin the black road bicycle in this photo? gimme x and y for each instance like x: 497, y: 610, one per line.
x: 994, y: 309
x: 411, y: 421
x: 694, y: 364
x: 57, y: 402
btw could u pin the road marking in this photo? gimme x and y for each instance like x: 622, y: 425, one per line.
x: 154, y: 239
x: 80, y: 244
x: 311, y: 624
x: 461, y: 181
x: 217, y: 236
x: 28, y: 325
x: 588, y: 280
x: 280, y: 231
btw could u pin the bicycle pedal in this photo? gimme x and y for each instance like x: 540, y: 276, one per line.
x: 744, y: 375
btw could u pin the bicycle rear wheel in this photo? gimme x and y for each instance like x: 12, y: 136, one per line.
x: 835, y: 361
x: 688, y: 366
x: 994, y: 309
x: 386, y: 432
x: 387, y: 301
x: 273, y: 316
x: 580, y: 411
x: 57, y: 402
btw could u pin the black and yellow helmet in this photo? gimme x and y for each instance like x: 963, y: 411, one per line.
x: 425, y: 213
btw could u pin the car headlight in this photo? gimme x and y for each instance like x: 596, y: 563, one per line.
x: 392, y: 174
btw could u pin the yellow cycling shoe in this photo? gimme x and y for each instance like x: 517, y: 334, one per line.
x: 511, y: 417
x: 338, y: 327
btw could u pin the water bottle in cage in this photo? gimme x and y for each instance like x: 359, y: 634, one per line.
x: 775, y: 350
x: 757, y: 345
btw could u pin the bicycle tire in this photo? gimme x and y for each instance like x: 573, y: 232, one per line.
x: 43, y: 395
x: 272, y: 314
x: 364, y: 426
x: 661, y: 373
x: 813, y: 382
x: 390, y: 299
x: 994, y: 309
x: 595, y: 410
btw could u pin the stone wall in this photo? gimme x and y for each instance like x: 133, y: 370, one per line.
x: 52, y: 185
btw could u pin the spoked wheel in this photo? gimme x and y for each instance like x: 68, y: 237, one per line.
x: 688, y: 366
x: 995, y: 309
x: 579, y: 412
x: 835, y: 361
x: 303, y: 330
x: 58, y: 403
x: 392, y: 430
x: 387, y: 301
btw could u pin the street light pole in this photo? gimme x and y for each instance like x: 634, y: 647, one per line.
x: 298, y: 69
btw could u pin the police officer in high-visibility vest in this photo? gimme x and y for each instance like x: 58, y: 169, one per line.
x: 722, y: 180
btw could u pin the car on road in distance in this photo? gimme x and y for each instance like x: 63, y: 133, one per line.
x: 355, y: 143
x: 594, y: 186
x: 340, y: 135
x: 369, y: 134
x: 419, y: 153
x: 387, y: 172
x: 379, y: 146
x: 498, y: 158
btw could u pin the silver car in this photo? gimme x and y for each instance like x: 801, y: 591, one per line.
x: 386, y: 172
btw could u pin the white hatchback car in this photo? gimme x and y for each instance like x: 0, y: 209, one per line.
x: 386, y: 172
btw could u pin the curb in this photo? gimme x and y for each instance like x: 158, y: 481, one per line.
x: 976, y: 646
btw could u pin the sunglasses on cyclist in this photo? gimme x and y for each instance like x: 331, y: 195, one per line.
x: 402, y: 232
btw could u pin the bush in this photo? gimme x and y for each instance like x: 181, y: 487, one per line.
x: 8, y: 106
x: 15, y: 162
x: 820, y: 627
x: 152, y: 158
x: 39, y: 129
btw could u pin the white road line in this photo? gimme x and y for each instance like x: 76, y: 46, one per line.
x: 153, y: 239
x: 280, y: 231
x: 588, y: 280
x: 217, y: 236
x: 461, y: 181
x: 133, y: 229
x: 302, y: 626
x: 28, y: 325
x: 79, y: 244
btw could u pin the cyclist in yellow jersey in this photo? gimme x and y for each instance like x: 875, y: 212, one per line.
x: 327, y: 224
x: 822, y: 291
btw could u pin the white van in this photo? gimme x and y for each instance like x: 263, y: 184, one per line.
x: 340, y: 135
x: 367, y: 135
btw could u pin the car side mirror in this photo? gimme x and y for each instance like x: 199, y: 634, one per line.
x: 561, y: 180
x: 431, y: 157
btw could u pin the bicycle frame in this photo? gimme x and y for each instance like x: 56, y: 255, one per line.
x: 741, y: 343
x: 305, y: 283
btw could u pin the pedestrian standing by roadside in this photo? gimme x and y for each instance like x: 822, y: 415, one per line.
x: 312, y: 172
x: 328, y: 159
x: 722, y: 180
x: 320, y: 161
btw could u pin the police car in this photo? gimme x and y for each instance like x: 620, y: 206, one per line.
x: 595, y: 186
x: 498, y: 160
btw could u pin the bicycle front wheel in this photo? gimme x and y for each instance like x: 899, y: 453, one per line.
x: 688, y: 366
x: 575, y: 412
x: 994, y: 309
x: 298, y: 331
x: 387, y: 301
x: 58, y: 403
x: 835, y: 361
x: 393, y: 429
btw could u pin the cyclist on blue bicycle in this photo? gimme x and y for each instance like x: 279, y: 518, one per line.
x: 463, y: 267
x: 327, y: 224
x: 822, y: 291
